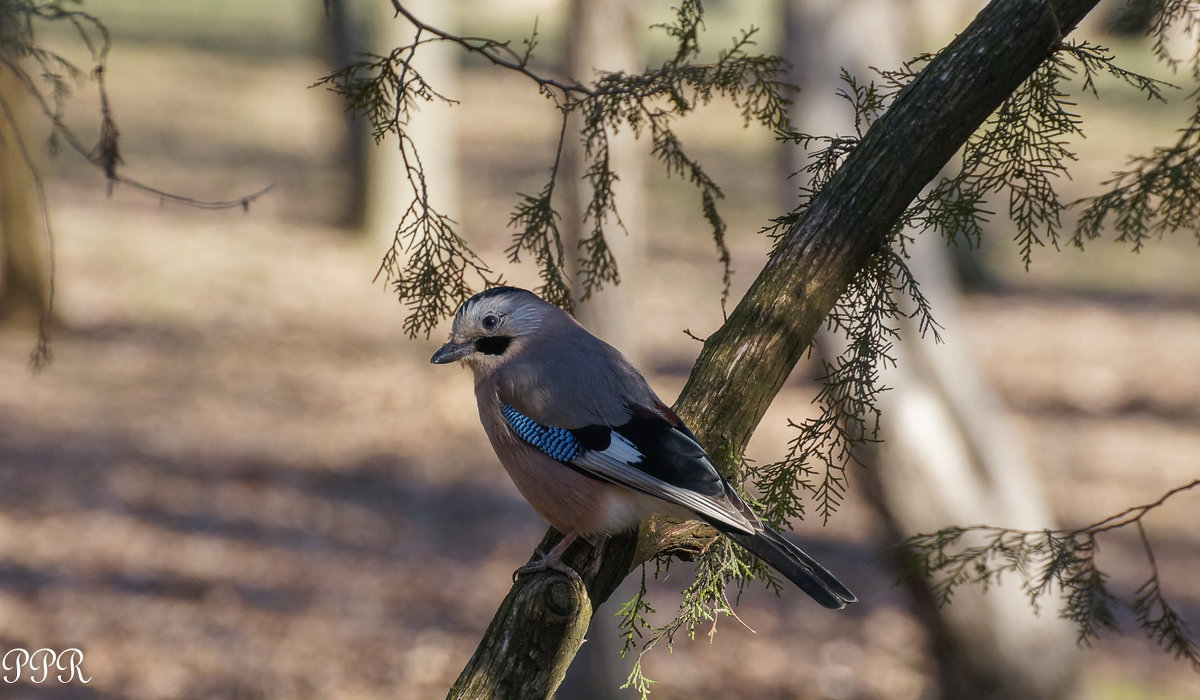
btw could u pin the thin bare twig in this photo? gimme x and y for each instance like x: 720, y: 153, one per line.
x: 1112, y: 522
x: 101, y: 155
x: 491, y: 50
x: 1127, y: 516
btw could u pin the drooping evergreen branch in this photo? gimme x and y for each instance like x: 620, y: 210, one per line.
x: 1182, y: 16
x: 598, y: 266
x: 1060, y: 560
x: 646, y: 103
x: 1155, y: 195
x: 536, y: 222
x: 866, y: 315
x: 704, y: 602
x: 1019, y: 152
x: 431, y: 267
x: 106, y: 153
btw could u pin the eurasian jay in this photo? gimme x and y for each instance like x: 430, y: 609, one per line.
x: 590, y: 445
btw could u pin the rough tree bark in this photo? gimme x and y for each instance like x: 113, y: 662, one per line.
x: 541, y: 622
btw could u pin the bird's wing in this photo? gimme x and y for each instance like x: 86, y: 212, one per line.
x: 653, y: 453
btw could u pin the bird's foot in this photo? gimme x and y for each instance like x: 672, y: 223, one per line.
x: 552, y: 561
x: 548, y: 564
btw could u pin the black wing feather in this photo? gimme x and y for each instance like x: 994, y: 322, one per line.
x: 672, y: 453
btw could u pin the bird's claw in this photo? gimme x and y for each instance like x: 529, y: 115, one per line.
x: 546, y: 563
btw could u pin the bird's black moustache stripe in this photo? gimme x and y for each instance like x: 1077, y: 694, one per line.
x: 493, y: 345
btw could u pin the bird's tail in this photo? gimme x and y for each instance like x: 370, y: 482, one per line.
x: 797, y: 566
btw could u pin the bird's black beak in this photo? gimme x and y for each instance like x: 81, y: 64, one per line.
x: 452, y: 352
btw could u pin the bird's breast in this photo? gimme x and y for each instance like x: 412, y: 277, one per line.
x: 570, y: 501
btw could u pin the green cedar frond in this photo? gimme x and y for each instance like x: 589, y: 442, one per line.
x: 537, y: 233
x: 826, y: 153
x: 1163, y: 624
x: 953, y: 208
x: 429, y: 264
x: 1094, y: 60
x: 387, y: 89
x: 1157, y: 618
x: 1050, y: 560
x: 597, y: 266
x: 634, y: 625
x: 1156, y: 194
x: 1182, y: 16
x: 704, y: 602
x: 689, y: 17
x: 867, y: 101
x: 1023, y: 148
x: 635, y: 101
x: 818, y: 456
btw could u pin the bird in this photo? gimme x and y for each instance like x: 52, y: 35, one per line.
x: 589, y: 444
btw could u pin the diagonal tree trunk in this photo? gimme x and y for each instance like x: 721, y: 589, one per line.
x: 540, y: 625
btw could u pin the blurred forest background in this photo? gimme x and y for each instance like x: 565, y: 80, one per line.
x: 239, y: 478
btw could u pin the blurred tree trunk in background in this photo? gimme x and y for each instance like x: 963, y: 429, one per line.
x: 434, y: 128
x: 601, y: 37
x: 948, y: 454
x: 24, y: 284
x: 343, y: 40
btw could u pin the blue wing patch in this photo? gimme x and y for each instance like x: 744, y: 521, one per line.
x: 559, y: 443
x: 678, y: 472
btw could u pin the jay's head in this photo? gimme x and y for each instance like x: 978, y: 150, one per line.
x: 491, y: 326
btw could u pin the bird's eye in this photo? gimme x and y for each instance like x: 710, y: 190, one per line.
x: 490, y: 322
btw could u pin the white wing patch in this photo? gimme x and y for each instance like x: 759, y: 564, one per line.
x: 619, y: 463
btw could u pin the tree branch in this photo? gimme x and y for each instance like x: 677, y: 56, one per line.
x: 498, y: 52
x: 745, y: 363
x: 1126, y: 517
x: 104, y: 155
x: 1062, y: 558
